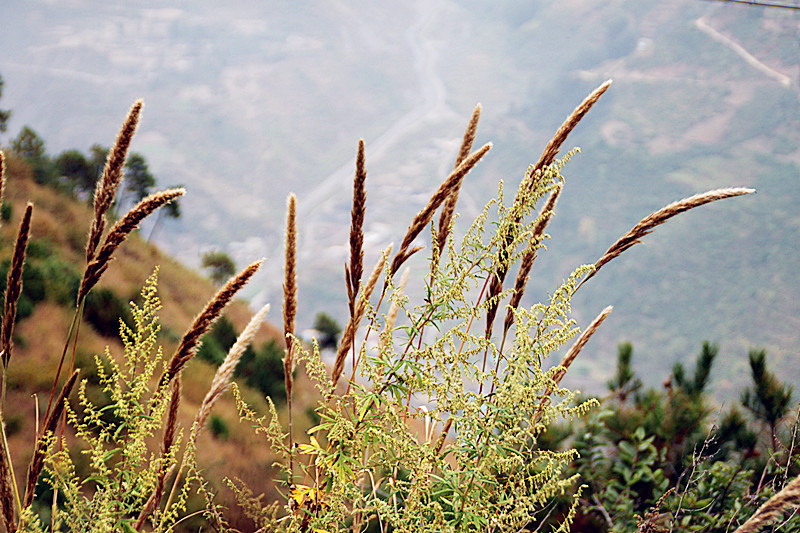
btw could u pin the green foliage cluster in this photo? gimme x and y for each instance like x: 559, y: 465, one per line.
x: 328, y: 330
x: 123, y: 470
x: 667, y: 457
x: 219, y: 264
x: 45, y: 276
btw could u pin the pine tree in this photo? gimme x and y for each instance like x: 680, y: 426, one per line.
x: 768, y: 399
x: 30, y: 146
x: 5, y: 114
x: 624, y: 383
x: 697, y: 385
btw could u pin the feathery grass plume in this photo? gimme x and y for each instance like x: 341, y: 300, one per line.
x: 788, y: 498
x: 422, y: 218
x: 203, y: 321
x: 551, y: 150
x: 352, y: 324
x: 107, y: 187
x: 526, y: 263
x: 222, y: 379
x: 166, y: 446
x: 449, y: 208
x: 649, y: 223
x: 289, y: 315
x: 578, y: 345
x: 290, y: 289
x: 119, y: 232
x: 354, y: 272
x: 548, y: 156
x: 49, y: 427
x: 14, y: 283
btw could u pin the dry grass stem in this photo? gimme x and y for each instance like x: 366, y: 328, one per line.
x: 353, y: 323
x: 289, y: 314
x: 578, y: 345
x: 443, y: 436
x: 108, y: 184
x: 119, y: 232
x: 469, y: 136
x: 203, y: 321
x: 394, y: 308
x: 7, y: 493
x: 290, y: 290
x: 551, y: 150
x: 354, y: 272
x: 449, y: 208
x: 529, y: 256
x: 14, y: 283
x: 222, y: 379
x: 570, y: 356
x: 422, y: 218
x: 2, y: 176
x: 650, y: 222
x: 49, y: 427
x: 774, y: 508
x: 166, y: 445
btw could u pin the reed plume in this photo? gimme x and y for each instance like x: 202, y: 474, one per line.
x: 290, y: 290
x: 551, y: 150
x: 119, y: 232
x: 14, y: 283
x: 355, y: 270
x: 166, y: 446
x: 650, y: 222
x: 353, y: 323
x: 289, y: 315
x: 529, y: 256
x: 49, y: 427
x: 422, y: 218
x: 203, y: 321
x: 788, y: 498
x: 106, y: 189
x: 578, y: 345
x: 449, y: 208
x: 570, y: 357
x: 222, y: 379
x: 548, y: 156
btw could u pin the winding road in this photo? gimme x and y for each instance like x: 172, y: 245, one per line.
x: 430, y: 104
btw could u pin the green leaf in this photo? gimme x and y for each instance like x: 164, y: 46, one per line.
x: 627, y: 449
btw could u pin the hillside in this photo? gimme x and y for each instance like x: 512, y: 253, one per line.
x: 56, y: 249
x: 246, y: 103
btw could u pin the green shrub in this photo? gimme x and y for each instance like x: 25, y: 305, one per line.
x: 104, y: 310
x: 218, y: 427
x: 263, y: 370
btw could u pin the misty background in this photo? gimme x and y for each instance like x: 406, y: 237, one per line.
x: 248, y: 101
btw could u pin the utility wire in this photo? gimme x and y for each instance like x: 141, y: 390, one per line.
x: 761, y: 4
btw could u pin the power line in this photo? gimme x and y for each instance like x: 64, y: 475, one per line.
x: 761, y: 4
